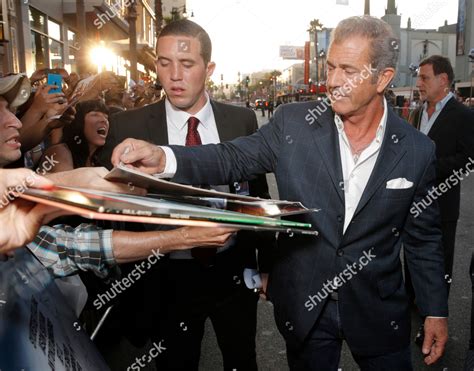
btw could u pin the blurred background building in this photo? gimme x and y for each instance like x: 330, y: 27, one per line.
x: 96, y: 35
x: 86, y: 36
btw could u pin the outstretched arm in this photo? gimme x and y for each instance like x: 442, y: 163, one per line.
x: 66, y: 250
x: 237, y: 160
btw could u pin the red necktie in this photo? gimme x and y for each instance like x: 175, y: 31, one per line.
x: 202, y: 254
x: 193, y: 138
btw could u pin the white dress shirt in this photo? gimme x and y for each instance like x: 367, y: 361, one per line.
x: 177, y: 124
x: 356, y: 174
x: 427, y: 123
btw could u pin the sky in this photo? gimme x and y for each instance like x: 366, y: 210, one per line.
x: 246, y: 34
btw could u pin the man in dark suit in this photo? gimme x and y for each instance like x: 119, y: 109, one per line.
x: 450, y: 125
x: 364, y: 168
x: 196, y: 285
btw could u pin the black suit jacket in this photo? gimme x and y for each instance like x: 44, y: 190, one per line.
x: 149, y: 123
x: 453, y: 134
x: 140, y: 304
x: 303, y: 151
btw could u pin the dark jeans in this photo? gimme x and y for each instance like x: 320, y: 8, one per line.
x: 196, y: 293
x: 322, y: 349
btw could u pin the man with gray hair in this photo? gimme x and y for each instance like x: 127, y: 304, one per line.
x: 363, y: 167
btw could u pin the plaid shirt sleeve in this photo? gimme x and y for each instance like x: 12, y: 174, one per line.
x: 65, y: 250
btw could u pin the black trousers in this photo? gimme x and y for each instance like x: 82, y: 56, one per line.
x: 448, y: 228
x: 193, y: 294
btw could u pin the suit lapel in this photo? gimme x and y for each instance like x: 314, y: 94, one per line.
x: 157, y: 125
x: 223, y: 127
x: 450, y: 105
x: 390, y: 154
x: 326, y: 137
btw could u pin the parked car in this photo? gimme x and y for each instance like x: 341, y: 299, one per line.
x: 259, y: 103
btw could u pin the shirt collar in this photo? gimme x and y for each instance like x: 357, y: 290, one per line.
x: 380, y: 130
x: 440, y: 105
x: 179, y: 118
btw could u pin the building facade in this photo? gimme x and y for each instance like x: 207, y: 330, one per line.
x: 317, y: 55
x: 417, y: 44
x: 464, y: 66
x: 292, y: 78
x: 44, y: 34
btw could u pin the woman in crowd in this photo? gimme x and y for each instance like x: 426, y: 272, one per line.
x: 82, y: 138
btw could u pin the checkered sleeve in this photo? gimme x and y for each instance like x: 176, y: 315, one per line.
x: 65, y: 250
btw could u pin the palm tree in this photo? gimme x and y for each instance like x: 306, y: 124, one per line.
x: 275, y: 73
x: 159, y: 17
x: 314, y: 26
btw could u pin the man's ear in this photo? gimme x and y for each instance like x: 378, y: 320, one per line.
x: 384, y: 79
x: 444, y: 77
x: 211, y: 66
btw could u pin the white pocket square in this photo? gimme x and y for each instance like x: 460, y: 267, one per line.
x: 399, y: 183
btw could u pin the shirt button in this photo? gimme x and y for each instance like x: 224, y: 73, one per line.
x: 352, y: 175
x: 340, y: 252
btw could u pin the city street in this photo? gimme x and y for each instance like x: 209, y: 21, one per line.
x: 270, y: 345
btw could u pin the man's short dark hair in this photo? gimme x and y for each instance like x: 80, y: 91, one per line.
x: 440, y: 65
x: 185, y: 27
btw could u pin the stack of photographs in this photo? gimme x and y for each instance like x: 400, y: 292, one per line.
x: 174, y: 204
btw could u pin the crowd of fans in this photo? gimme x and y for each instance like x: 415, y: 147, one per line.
x: 72, y: 123
x: 50, y: 138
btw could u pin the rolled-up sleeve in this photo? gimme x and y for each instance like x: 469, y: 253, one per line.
x: 65, y: 250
